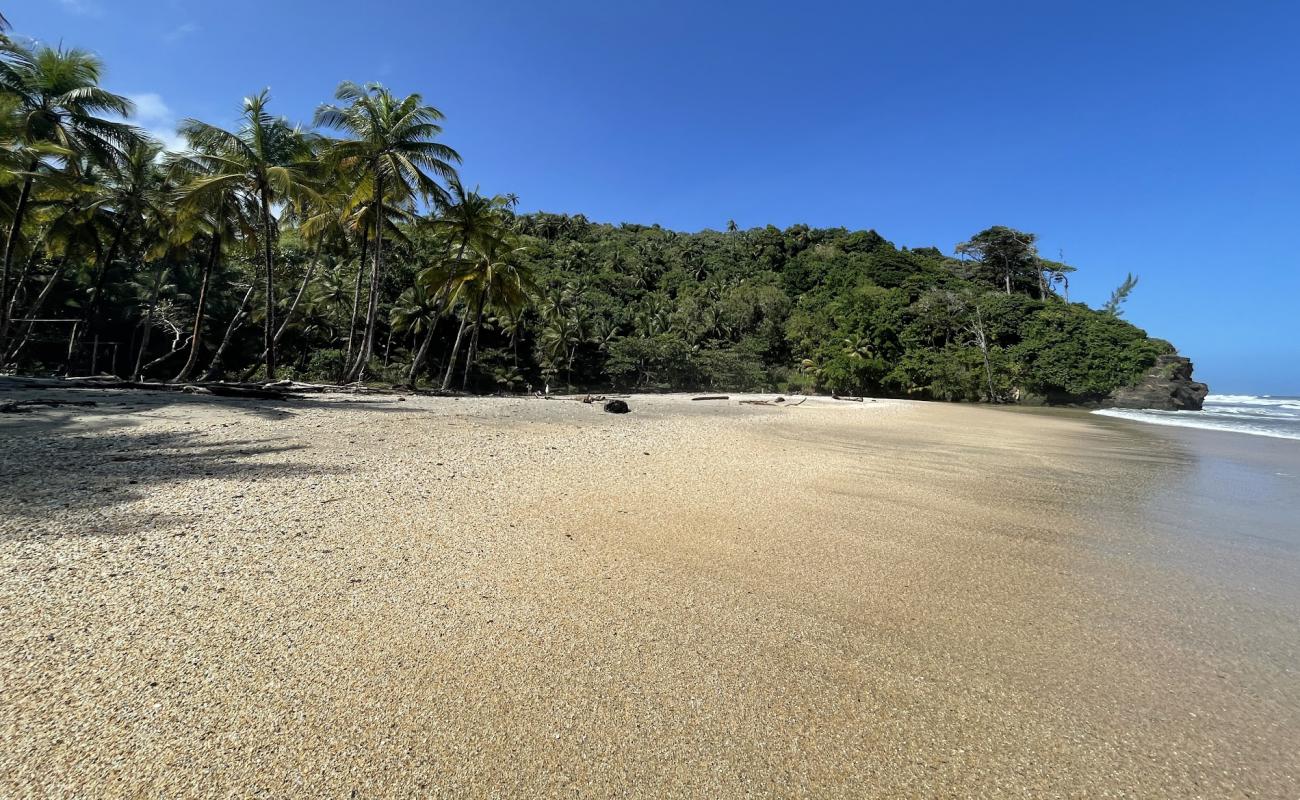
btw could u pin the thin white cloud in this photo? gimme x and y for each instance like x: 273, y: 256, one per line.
x: 154, y: 115
x: 82, y: 8
x: 181, y: 31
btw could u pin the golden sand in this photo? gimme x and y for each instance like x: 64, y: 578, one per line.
x: 369, y: 597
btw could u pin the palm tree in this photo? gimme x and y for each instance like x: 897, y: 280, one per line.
x: 55, y: 103
x: 323, y: 220
x: 149, y: 289
x: 417, y: 313
x: 227, y: 215
x: 269, y: 162
x: 392, y: 145
x: 492, y: 276
x: 562, y: 336
x: 470, y: 219
x: 133, y: 194
x: 858, y: 348
x: 363, y: 218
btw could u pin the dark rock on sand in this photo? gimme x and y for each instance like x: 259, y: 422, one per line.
x: 616, y: 407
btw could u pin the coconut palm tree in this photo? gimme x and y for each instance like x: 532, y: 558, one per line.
x: 470, y: 217
x: 149, y: 288
x: 321, y: 220
x: 492, y: 275
x: 55, y: 110
x: 269, y: 162
x: 133, y: 196
x: 225, y: 218
x: 562, y: 336
x: 416, y: 313
x: 360, y: 223
x: 391, y: 144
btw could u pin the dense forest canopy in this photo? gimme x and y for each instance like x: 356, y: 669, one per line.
x: 351, y: 249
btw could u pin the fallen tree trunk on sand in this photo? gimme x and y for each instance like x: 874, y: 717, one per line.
x: 227, y: 390
x: 23, y: 406
x: 778, y: 402
x: 258, y: 391
x: 852, y: 399
x: 712, y: 397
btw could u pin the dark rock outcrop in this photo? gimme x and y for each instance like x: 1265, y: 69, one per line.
x: 1166, y: 386
x: 616, y: 407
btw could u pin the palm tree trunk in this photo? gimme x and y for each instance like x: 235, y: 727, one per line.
x: 288, y: 314
x: 372, y: 310
x: 455, y: 350
x: 18, y: 287
x: 356, y: 292
x: 214, y: 369
x: 11, y: 244
x: 34, y: 310
x: 148, y: 323
x: 144, y: 338
x: 422, y: 352
x: 102, y: 267
x: 268, y: 327
x: 473, y: 340
x: 214, y: 252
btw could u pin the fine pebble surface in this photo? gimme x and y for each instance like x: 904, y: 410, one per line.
x: 374, y: 597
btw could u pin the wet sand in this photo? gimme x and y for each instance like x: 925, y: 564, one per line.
x: 378, y: 598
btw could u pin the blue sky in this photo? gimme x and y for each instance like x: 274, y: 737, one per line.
x: 1161, y: 138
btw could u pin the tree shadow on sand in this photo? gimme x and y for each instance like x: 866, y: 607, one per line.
x: 79, y: 471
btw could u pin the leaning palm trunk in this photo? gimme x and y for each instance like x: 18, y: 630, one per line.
x: 366, y: 348
x: 103, y: 263
x: 455, y: 350
x: 358, y: 370
x: 473, y: 343
x: 11, y: 244
x: 196, y: 333
x: 18, y: 294
x: 428, y: 335
x: 102, y: 267
x: 136, y: 374
x: 35, y: 309
x: 238, y: 320
x: 288, y: 314
x: 421, y: 353
x: 356, y: 294
x: 144, y: 340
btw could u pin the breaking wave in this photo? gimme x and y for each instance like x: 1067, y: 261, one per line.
x: 1258, y: 415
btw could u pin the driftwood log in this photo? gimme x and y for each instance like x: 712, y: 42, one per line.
x: 712, y: 397
x: 23, y: 406
x: 780, y: 401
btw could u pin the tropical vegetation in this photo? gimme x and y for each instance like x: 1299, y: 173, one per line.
x: 350, y: 249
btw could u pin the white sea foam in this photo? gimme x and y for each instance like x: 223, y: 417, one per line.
x: 1258, y: 415
x: 1291, y: 403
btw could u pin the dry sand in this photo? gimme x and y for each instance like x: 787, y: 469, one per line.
x: 367, y: 597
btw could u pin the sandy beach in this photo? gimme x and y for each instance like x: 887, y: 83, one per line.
x: 373, y: 597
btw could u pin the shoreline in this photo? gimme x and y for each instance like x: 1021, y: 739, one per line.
x: 477, y: 596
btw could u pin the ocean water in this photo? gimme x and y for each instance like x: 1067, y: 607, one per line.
x: 1260, y: 415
